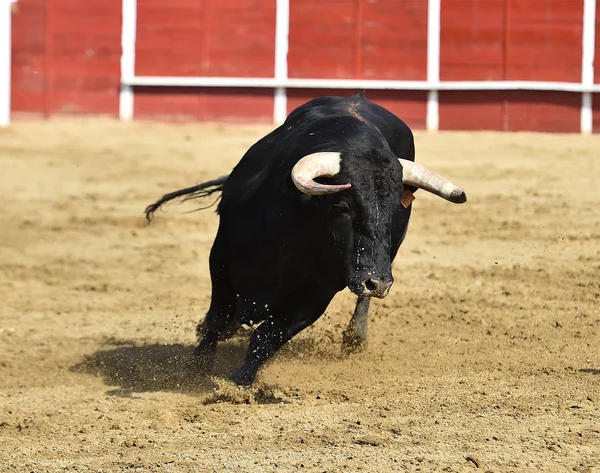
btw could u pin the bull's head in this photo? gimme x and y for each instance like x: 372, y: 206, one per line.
x: 364, y: 218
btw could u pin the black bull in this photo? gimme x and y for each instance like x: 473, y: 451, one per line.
x: 317, y: 205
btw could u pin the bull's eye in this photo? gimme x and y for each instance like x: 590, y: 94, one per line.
x: 342, y: 208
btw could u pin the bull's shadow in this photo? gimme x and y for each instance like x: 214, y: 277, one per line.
x: 174, y: 368
x: 160, y: 367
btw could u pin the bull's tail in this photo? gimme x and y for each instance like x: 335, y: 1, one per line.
x: 201, y: 190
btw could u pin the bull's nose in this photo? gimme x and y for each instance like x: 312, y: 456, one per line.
x: 376, y: 287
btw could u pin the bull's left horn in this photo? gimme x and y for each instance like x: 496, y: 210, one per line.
x: 419, y: 176
x: 311, y: 166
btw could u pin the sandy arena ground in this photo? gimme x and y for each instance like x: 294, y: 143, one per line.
x: 484, y: 357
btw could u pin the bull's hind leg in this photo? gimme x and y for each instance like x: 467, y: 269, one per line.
x: 216, y: 326
x: 299, y: 311
x: 220, y: 317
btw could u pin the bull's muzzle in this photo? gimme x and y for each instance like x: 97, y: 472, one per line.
x: 375, y: 287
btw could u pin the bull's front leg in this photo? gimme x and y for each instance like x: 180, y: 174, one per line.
x: 355, y: 335
x: 297, y: 313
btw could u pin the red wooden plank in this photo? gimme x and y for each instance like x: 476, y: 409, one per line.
x: 472, y: 42
x: 382, y: 62
x: 543, y: 111
x: 161, y: 102
x: 510, y: 111
x: 472, y: 14
x: 82, y: 102
x: 544, y: 40
x: 472, y: 61
x: 237, y: 105
x: 164, y: 61
x: 27, y: 101
x: 83, y: 56
x: 511, y: 39
x: 394, y: 40
x: 92, y: 81
x: 322, y: 62
x: 358, y: 39
x: 27, y: 62
x: 208, y: 38
x: 27, y: 73
x: 596, y: 113
x: 323, y: 48
x: 170, y: 38
x: 471, y: 110
x: 206, y: 104
x: 553, y: 11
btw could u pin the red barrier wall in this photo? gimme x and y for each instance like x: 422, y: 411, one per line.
x: 28, y: 71
x: 206, y: 38
x: 362, y: 39
x: 66, y: 57
x: 511, y: 40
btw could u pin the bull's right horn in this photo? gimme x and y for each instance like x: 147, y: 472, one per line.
x: 419, y: 176
x: 311, y: 166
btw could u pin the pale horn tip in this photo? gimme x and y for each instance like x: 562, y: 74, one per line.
x: 458, y: 197
x: 453, y: 193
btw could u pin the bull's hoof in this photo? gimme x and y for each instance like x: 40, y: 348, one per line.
x: 243, y: 377
x: 353, y: 342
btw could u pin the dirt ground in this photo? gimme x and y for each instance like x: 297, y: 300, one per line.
x: 484, y: 357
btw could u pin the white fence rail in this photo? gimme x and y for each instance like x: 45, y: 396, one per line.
x: 271, y: 83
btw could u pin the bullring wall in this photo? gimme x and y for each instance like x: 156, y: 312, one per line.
x: 66, y: 57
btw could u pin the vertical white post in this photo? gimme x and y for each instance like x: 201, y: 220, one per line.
x: 587, y: 64
x: 128, y: 31
x: 433, y: 63
x: 5, y: 53
x: 282, y: 30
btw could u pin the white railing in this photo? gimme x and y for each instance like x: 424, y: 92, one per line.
x: 587, y: 64
x: 271, y: 83
x: 432, y: 120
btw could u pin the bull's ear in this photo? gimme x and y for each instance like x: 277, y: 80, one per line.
x: 311, y: 166
x: 419, y: 176
x: 407, y: 198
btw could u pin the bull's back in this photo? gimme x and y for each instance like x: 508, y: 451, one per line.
x: 395, y: 131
